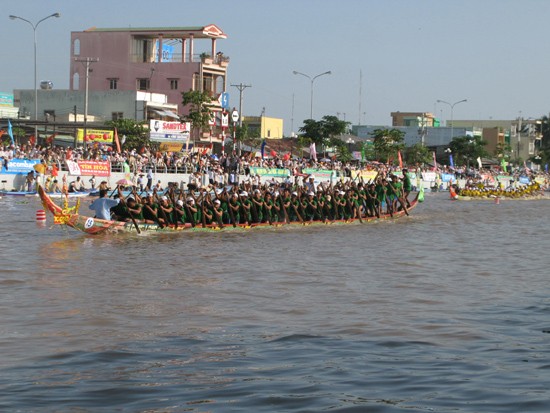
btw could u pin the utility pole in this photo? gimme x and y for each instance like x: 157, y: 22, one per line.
x: 360, y: 93
x: 241, y: 87
x: 86, y: 61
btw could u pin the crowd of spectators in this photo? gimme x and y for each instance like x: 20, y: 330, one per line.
x: 141, y: 161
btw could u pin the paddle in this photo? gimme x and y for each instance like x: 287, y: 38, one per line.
x: 129, y: 212
x: 285, y: 212
x: 190, y: 213
x: 296, y: 210
x: 400, y: 199
x: 230, y: 209
x: 203, y: 214
x: 174, y: 206
x: 218, y: 214
x: 163, y: 213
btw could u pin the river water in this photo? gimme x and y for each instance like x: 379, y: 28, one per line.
x: 447, y: 310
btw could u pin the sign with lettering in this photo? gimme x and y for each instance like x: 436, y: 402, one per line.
x: 166, y: 131
x: 95, y: 136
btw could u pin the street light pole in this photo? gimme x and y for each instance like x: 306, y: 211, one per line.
x: 34, y: 26
x: 311, y: 79
x: 452, y: 107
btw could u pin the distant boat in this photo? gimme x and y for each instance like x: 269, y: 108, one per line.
x: 54, y: 195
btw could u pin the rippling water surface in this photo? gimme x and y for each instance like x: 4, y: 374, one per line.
x: 447, y: 310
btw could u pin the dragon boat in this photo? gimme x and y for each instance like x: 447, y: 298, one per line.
x: 524, y: 192
x: 71, y: 217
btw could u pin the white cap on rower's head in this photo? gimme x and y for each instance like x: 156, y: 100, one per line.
x: 130, y: 198
x: 190, y: 200
x: 149, y: 194
x: 217, y: 201
x: 235, y: 195
x: 311, y: 177
x: 164, y: 198
x: 276, y: 194
x: 295, y: 193
x: 342, y: 193
x: 257, y: 191
x: 179, y: 202
x: 244, y: 193
x: 311, y: 193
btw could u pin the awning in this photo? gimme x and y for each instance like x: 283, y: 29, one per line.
x: 166, y: 113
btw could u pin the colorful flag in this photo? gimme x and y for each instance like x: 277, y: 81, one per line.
x: 400, y: 159
x: 363, y: 154
x: 313, y: 151
x: 503, y: 164
x: 451, y: 160
x: 117, y: 142
x: 435, y: 161
x: 262, y: 148
x: 10, y: 132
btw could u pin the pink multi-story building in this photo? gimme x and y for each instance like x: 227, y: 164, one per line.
x: 163, y: 60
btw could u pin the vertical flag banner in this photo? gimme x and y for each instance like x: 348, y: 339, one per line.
x: 435, y: 161
x: 400, y: 159
x: 313, y: 151
x: 262, y: 148
x: 479, y: 162
x: 363, y: 155
x: 503, y: 164
x: 117, y: 142
x: 10, y: 132
x: 451, y: 160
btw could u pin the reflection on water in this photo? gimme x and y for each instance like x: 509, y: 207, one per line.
x: 446, y: 310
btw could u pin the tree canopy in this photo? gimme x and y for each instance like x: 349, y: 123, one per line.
x: 199, y: 109
x: 387, y: 142
x: 136, y: 136
x: 321, y: 132
x: 467, y: 149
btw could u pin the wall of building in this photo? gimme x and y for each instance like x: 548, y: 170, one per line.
x: 116, y: 60
x: 101, y: 104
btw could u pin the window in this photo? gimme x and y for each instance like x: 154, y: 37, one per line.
x: 113, y: 83
x: 173, y: 84
x: 143, y: 84
x: 76, y: 47
x: 117, y: 115
x: 76, y: 81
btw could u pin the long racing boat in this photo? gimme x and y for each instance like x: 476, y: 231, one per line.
x: 90, y: 225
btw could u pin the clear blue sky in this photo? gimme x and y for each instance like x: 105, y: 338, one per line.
x: 411, y: 52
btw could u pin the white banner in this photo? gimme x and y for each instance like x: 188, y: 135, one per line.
x: 163, y: 131
x: 73, y: 168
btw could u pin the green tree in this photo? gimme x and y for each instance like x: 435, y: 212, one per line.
x: 313, y: 130
x: 503, y: 150
x: 343, y: 153
x: 387, y: 142
x: 136, y: 135
x: 467, y: 149
x: 325, y: 131
x: 417, y: 154
x: 199, y: 110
